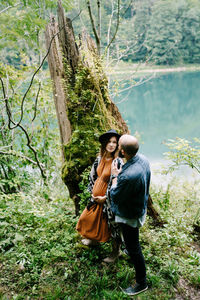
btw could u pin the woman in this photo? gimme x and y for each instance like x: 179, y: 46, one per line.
x: 102, y: 227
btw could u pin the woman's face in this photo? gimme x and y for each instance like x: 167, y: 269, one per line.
x: 112, y: 144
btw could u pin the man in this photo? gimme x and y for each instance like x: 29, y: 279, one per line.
x: 129, y: 195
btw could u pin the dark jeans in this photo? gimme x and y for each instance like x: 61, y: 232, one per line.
x: 131, y: 239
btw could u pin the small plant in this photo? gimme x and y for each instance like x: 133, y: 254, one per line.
x: 162, y: 197
x: 183, y: 153
x: 83, y: 185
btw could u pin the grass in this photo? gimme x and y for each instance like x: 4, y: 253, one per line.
x: 42, y: 257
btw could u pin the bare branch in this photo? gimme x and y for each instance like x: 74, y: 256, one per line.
x: 117, y: 25
x: 13, y: 153
x: 80, y: 14
x: 108, y: 34
x: 32, y: 79
x: 34, y: 151
x: 131, y: 2
x: 6, y: 146
x: 10, y: 6
x: 93, y: 25
x: 99, y: 22
x: 77, y: 15
x: 3, y: 89
x: 140, y: 82
x: 9, y: 114
x: 36, y: 100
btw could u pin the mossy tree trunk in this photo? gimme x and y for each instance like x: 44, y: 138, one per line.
x: 84, y: 108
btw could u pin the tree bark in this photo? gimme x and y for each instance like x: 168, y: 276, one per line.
x: 55, y: 61
x: 151, y: 211
x: 84, y: 108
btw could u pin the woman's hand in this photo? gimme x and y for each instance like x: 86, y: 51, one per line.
x: 99, y: 199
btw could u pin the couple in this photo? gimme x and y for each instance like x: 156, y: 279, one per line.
x: 119, y: 196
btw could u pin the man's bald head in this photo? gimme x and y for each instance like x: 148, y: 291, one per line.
x: 129, y: 144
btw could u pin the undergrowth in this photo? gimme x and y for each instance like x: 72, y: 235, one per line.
x: 42, y: 257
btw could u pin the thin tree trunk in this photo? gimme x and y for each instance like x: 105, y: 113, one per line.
x: 151, y: 211
x: 97, y: 38
x: 99, y: 24
x: 117, y: 25
x: 108, y: 34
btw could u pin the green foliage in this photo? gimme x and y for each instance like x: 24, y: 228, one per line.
x: 182, y: 152
x: 40, y: 251
x: 22, y: 26
x: 163, y: 47
x: 43, y: 131
x: 132, y: 32
x: 163, y: 198
x: 190, y: 43
x: 160, y: 31
x: 88, y: 115
x: 42, y: 257
x: 83, y: 185
x: 21, y: 49
x: 31, y: 239
x: 173, y: 35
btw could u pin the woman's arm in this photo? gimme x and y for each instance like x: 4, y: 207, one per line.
x: 93, y: 174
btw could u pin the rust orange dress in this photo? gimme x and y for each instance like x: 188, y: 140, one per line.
x: 92, y: 224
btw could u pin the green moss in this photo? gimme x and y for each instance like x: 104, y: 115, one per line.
x: 88, y: 114
x: 79, y: 153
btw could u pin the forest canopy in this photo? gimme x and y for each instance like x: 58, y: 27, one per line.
x: 159, y: 31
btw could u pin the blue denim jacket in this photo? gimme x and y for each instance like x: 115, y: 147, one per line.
x: 129, y: 197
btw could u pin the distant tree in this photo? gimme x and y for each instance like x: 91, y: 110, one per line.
x: 136, y: 27
x: 101, y: 19
x: 160, y: 31
x: 164, y: 34
x: 190, y: 42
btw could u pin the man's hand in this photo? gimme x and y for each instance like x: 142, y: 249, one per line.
x: 114, y: 169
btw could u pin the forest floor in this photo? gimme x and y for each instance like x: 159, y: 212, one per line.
x: 41, y: 255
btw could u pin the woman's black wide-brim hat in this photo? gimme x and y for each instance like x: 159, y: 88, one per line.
x: 111, y: 132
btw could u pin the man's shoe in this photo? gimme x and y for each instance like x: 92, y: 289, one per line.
x: 110, y: 259
x: 137, y: 289
x: 125, y: 251
x: 88, y: 242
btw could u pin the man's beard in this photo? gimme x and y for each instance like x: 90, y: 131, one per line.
x: 120, y: 154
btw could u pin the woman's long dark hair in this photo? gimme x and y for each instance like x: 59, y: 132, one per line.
x: 104, y: 144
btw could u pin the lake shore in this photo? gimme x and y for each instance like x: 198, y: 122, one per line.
x: 128, y: 68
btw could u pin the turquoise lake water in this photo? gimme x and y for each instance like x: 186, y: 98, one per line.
x: 165, y: 107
